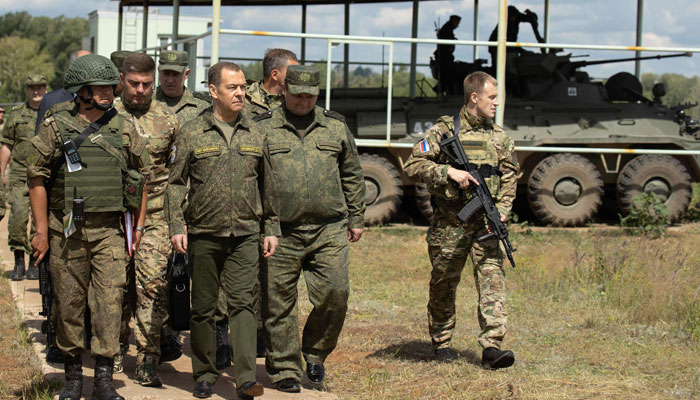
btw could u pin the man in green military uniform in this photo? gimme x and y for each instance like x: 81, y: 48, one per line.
x: 157, y: 125
x: 231, y: 194
x: 262, y: 96
x: 81, y: 153
x: 172, y: 74
x: 322, y: 191
x: 16, y: 144
x: 449, y: 240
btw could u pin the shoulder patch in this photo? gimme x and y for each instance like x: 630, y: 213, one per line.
x: 262, y: 116
x: 334, y: 114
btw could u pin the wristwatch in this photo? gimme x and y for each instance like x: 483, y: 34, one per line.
x: 140, y: 229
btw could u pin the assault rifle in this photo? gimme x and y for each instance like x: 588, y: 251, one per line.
x: 46, y: 298
x: 453, y: 149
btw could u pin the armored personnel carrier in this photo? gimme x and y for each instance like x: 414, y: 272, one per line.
x: 552, y: 103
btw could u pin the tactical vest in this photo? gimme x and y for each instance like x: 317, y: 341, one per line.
x: 99, y: 181
x: 480, y: 151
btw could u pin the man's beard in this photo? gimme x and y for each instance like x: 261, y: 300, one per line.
x: 133, y: 108
x: 102, y: 107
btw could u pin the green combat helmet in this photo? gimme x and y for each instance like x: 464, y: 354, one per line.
x: 35, y: 80
x: 92, y: 70
x: 303, y: 79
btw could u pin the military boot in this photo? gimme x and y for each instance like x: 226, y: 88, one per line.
x: 146, y: 373
x: 103, y: 389
x: 33, y: 270
x: 224, y: 352
x: 170, y: 348
x: 73, y: 387
x: 493, y: 358
x: 119, y: 358
x: 18, y: 273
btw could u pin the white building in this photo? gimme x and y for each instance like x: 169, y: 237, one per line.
x: 104, y: 28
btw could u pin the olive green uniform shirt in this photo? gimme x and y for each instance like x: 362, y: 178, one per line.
x: 319, y: 178
x: 18, y: 135
x: 231, y: 185
x: 187, y: 108
x: 48, y: 150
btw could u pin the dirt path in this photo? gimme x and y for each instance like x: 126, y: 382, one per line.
x: 176, y: 375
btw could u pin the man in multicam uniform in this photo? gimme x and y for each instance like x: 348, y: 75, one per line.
x: 16, y: 144
x: 88, y: 258
x: 260, y: 97
x: 449, y: 240
x: 158, y: 126
x: 231, y: 199
x: 322, y: 192
x: 172, y: 74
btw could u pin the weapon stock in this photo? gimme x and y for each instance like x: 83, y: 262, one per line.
x: 482, y: 196
x: 46, y: 292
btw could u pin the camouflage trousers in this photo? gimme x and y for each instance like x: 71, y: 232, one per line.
x: 322, y: 252
x: 89, y: 273
x: 18, y: 197
x: 449, y: 245
x: 146, y: 296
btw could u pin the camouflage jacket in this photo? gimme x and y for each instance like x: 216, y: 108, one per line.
x: 158, y: 127
x: 484, y: 143
x: 189, y: 106
x: 18, y: 134
x: 319, y: 177
x: 231, y: 186
x: 258, y: 101
x: 47, y: 151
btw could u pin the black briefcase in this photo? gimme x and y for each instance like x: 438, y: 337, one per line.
x: 179, y: 291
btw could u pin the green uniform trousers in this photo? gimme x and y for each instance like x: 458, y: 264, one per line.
x: 18, y: 197
x: 89, y: 273
x: 147, y: 294
x: 449, y: 245
x: 229, y: 263
x: 322, y: 252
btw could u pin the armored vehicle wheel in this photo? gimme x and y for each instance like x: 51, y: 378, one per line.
x: 383, y: 188
x: 565, y: 190
x: 663, y: 175
x: 423, y: 201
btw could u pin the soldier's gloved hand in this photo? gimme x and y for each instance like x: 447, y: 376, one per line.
x: 269, y: 245
x: 179, y: 243
x: 40, y: 245
x: 355, y: 234
x: 462, y: 178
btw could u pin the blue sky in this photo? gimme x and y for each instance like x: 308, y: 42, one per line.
x: 666, y: 23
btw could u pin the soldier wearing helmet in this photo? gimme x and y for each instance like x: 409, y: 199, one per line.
x: 86, y: 157
x: 16, y: 147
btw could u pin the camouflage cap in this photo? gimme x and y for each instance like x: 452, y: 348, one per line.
x: 303, y: 79
x: 35, y: 79
x: 118, y: 58
x: 173, y: 60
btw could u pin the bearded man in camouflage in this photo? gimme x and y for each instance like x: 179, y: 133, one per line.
x: 157, y: 126
x: 449, y: 240
x: 222, y: 167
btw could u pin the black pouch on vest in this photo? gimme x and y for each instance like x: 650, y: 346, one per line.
x: 179, y: 291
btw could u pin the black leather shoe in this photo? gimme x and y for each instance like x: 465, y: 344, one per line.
x: 202, y: 390
x: 249, y: 390
x: 445, y: 355
x: 493, y: 358
x: 315, y: 372
x: 288, y: 385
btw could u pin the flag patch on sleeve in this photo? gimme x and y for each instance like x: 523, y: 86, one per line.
x: 424, y: 146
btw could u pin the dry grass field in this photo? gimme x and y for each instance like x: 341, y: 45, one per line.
x: 594, y: 314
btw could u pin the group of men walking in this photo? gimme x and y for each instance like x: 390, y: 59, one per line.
x: 257, y: 184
